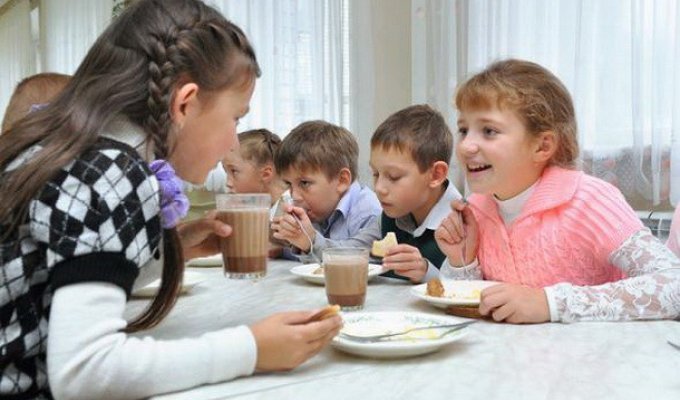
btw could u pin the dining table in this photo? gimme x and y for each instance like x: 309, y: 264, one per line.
x: 585, y: 360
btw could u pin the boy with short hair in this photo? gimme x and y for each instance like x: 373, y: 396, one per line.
x: 318, y: 161
x: 410, y: 152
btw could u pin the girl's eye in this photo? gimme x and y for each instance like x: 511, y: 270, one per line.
x: 490, y: 132
x: 462, y: 131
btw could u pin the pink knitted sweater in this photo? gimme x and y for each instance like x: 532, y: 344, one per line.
x: 565, y: 233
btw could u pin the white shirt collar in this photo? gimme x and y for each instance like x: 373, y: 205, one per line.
x: 512, y: 207
x: 441, y: 209
x: 123, y: 130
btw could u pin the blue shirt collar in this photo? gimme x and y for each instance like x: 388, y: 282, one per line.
x: 344, y: 205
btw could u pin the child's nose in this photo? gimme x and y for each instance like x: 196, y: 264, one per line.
x: 379, y: 186
x: 295, y: 194
x: 467, y: 145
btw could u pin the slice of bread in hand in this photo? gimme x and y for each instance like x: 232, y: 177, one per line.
x: 380, y: 247
x: 325, y: 313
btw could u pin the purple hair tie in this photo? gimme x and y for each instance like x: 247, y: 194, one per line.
x: 174, y: 203
x: 37, y: 107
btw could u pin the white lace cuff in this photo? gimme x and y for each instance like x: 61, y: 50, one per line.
x: 651, y: 291
x: 471, y: 271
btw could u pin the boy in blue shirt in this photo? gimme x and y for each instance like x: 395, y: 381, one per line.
x: 318, y: 161
x: 410, y: 153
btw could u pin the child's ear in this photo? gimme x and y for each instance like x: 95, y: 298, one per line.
x: 439, y: 172
x: 546, y: 146
x: 344, y: 180
x: 267, y: 173
x: 185, y: 97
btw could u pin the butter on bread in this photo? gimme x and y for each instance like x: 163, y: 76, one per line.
x: 325, y: 313
x: 380, y: 247
x: 435, y: 288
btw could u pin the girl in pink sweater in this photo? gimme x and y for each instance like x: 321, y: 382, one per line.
x: 566, y: 245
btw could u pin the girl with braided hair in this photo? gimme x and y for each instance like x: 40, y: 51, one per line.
x: 89, y: 205
x: 250, y: 167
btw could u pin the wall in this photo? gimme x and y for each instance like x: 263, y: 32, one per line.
x: 390, y: 86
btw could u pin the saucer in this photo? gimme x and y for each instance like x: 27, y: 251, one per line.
x: 306, y: 272
x: 190, y: 280
x: 377, y: 323
x: 456, y: 293
x: 205, y: 262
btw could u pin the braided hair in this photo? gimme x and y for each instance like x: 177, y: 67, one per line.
x: 132, y: 70
x: 259, y: 146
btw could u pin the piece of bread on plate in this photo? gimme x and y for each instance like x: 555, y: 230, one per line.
x: 435, y: 288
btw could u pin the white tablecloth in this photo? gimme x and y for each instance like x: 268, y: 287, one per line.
x: 494, y: 361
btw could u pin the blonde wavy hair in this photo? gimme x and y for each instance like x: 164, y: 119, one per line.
x: 537, y: 96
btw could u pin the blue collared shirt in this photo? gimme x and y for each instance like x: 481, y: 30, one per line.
x: 358, y: 208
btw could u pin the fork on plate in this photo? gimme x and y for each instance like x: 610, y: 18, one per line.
x: 377, y: 338
x: 675, y: 345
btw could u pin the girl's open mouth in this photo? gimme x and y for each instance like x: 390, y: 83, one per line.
x: 478, y: 167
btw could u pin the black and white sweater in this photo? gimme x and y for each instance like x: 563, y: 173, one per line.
x: 97, y: 220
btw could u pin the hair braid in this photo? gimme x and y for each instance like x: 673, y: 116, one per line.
x: 161, y: 78
x: 131, y: 71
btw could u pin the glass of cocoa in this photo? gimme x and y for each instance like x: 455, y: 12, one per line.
x: 244, y: 252
x: 346, y: 275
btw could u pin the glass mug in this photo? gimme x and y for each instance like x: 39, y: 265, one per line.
x: 346, y: 276
x: 244, y: 252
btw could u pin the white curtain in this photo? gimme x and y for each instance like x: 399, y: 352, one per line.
x: 67, y: 30
x: 619, y: 58
x: 303, y: 55
x: 16, y: 49
x: 435, y: 51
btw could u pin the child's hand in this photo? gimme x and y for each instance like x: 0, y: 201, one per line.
x: 200, y: 237
x: 287, y: 228
x: 516, y: 304
x: 286, y: 340
x: 452, y: 236
x: 406, y: 260
x: 275, y: 251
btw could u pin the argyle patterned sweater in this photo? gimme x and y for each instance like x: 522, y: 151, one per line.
x: 96, y: 220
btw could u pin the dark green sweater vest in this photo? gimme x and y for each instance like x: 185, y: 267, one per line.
x: 425, y: 243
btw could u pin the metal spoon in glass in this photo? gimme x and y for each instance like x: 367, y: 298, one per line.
x: 287, y: 199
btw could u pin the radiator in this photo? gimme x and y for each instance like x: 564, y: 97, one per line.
x: 659, y: 222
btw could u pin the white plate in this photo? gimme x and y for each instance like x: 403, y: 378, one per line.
x: 376, y: 323
x: 191, y: 279
x: 306, y: 271
x: 210, y: 261
x: 456, y: 293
